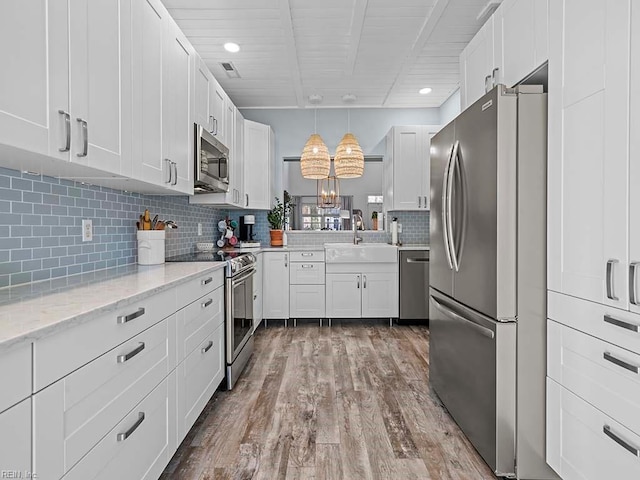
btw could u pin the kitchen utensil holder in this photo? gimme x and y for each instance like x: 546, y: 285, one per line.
x: 151, y: 247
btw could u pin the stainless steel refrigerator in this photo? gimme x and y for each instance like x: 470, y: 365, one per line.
x: 487, y: 290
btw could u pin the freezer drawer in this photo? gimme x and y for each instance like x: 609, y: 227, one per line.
x: 414, y: 285
x: 473, y: 364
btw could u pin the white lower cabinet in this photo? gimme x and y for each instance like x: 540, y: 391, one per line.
x: 585, y: 444
x: 257, y: 292
x: 306, y: 301
x: 73, y: 414
x: 366, y: 295
x: 276, y: 285
x: 138, y: 447
x: 15, y: 376
x: 306, y: 285
x: 198, y: 378
x: 15, y: 441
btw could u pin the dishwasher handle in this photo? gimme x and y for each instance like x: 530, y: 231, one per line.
x: 417, y: 260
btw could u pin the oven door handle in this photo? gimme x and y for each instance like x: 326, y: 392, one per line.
x: 242, y: 278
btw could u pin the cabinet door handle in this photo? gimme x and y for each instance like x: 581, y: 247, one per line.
x: 67, y: 128
x: 206, y: 281
x: 495, y: 75
x: 131, y: 316
x: 123, y: 436
x: 621, y: 323
x: 487, y: 83
x: 207, y: 303
x: 633, y: 274
x: 131, y: 354
x: 169, y: 162
x: 606, y: 429
x: 419, y: 201
x: 211, y: 119
x: 621, y: 363
x: 358, y: 277
x: 215, y: 126
x: 85, y: 137
x: 364, y: 281
x: 208, y: 347
x: 610, y: 287
x: 286, y: 260
x: 247, y: 195
x: 425, y: 202
x: 175, y: 173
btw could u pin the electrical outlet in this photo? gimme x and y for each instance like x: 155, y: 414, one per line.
x: 199, y: 229
x: 87, y: 230
x: 399, y: 228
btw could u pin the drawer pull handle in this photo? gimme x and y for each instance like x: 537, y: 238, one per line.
x: 606, y: 429
x: 123, y: 436
x: 307, y: 265
x: 621, y: 323
x: 306, y: 254
x: 208, y: 347
x: 131, y: 316
x: 633, y: 297
x: 207, y: 303
x: 621, y: 363
x: 207, y: 281
x: 131, y: 354
x: 610, y: 287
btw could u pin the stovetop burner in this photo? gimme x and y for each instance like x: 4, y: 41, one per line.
x: 236, y: 261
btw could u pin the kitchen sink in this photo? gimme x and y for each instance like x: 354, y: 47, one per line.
x: 361, y: 253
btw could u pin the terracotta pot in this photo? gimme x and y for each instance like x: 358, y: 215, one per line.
x: 276, y: 238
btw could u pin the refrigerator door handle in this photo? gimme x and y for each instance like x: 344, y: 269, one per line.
x: 445, y: 216
x: 452, y: 248
x: 447, y: 311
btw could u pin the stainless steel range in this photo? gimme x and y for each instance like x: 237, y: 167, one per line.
x: 239, y: 314
x: 239, y: 272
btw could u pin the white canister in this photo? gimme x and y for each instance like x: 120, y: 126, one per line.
x: 151, y: 247
x: 380, y: 221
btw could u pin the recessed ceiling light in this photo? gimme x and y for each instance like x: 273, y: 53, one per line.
x: 232, y: 47
x: 424, y: 91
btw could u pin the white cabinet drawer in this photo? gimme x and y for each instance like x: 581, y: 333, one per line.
x: 15, y: 375
x: 306, y: 273
x: 201, y: 285
x: 15, y: 441
x: 601, y: 373
x: 73, y: 414
x: 615, y: 326
x: 198, y: 378
x: 145, y: 451
x: 307, y: 301
x: 199, y: 320
x: 307, y: 256
x: 62, y: 353
x: 585, y: 444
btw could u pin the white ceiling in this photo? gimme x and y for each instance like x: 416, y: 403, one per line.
x: 382, y: 51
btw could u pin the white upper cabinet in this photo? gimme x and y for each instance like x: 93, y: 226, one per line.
x: 217, y: 97
x: 407, y: 168
x: 34, y: 84
x: 178, y: 129
x: 99, y: 73
x: 588, y: 213
x: 511, y: 44
x: 634, y: 166
x: 203, y: 90
x: 259, y: 185
x: 149, y: 19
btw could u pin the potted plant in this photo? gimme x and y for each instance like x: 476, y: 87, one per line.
x: 374, y: 220
x: 277, y: 217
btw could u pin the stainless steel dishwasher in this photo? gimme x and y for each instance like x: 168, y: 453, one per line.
x: 414, y: 286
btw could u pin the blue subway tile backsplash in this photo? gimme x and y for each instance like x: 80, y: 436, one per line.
x: 41, y: 226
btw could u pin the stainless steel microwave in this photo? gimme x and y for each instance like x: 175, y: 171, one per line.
x: 211, y: 163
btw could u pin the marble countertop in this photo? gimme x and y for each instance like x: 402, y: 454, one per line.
x: 32, y: 311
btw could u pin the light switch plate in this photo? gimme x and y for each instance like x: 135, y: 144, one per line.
x: 87, y: 230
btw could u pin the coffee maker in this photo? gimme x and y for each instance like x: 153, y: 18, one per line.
x: 246, y: 231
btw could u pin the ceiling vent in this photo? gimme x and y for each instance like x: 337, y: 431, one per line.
x: 230, y: 69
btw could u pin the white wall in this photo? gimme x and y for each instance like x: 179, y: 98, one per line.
x: 450, y: 108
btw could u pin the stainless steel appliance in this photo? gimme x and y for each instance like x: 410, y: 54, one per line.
x: 239, y: 315
x: 414, y: 285
x: 211, y: 163
x: 239, y: 272
x: 487, y: 309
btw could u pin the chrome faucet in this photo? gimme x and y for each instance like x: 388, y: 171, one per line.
x: 354, y: 220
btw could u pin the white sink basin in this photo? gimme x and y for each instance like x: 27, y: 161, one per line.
x: 361, y: 253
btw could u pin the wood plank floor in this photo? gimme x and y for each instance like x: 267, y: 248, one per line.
x: 351, y: 401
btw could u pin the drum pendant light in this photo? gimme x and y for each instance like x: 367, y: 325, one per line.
x: 315, y: 161
x: 349, y: 159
